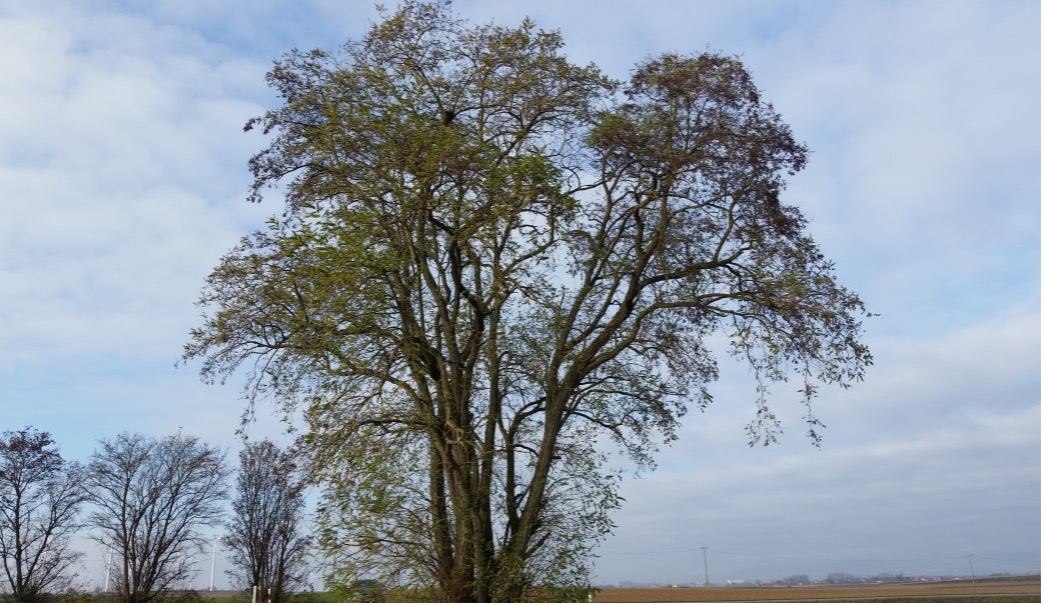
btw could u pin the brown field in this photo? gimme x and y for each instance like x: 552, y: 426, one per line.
x: 1022, y: 589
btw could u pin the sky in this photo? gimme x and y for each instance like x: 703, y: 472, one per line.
x: 123, y: 180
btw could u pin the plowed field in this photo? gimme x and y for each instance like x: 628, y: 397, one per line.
x: 1022, y: 589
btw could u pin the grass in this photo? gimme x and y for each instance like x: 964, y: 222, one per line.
x: 243, y: 597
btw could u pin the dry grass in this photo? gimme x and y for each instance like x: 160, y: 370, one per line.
x: 1004, y: 589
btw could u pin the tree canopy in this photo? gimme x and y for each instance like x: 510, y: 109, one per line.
x: 493, y: 263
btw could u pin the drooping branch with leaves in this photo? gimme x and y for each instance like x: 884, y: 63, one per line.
x: 490, y: 262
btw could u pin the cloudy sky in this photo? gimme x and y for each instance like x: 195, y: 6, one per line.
x: 123, y: 176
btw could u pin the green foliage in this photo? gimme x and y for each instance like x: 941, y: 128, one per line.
x: 79, y: 596
x: 314, y: 597
x: 493, y: 263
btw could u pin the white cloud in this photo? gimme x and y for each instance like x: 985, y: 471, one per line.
x: 937, y: 452
x: 122, y: 182
x: 926, y: 496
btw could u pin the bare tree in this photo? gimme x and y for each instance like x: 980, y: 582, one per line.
x: 151, y: 496
x: 264, y: 534
x: 40, y: 498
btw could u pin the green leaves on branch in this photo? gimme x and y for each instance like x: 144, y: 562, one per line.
x: 491, y: 264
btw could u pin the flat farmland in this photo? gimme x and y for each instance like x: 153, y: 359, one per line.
x: 1022, y: 589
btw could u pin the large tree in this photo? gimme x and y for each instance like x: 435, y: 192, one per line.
x: 40, y: 499
x: 491, y: 264
x: 151, y: 497
x: 265, y: 534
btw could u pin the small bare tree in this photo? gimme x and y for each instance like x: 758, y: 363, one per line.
x: 40, y: 498
x: 151, y: 496
x: 264, y: 535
